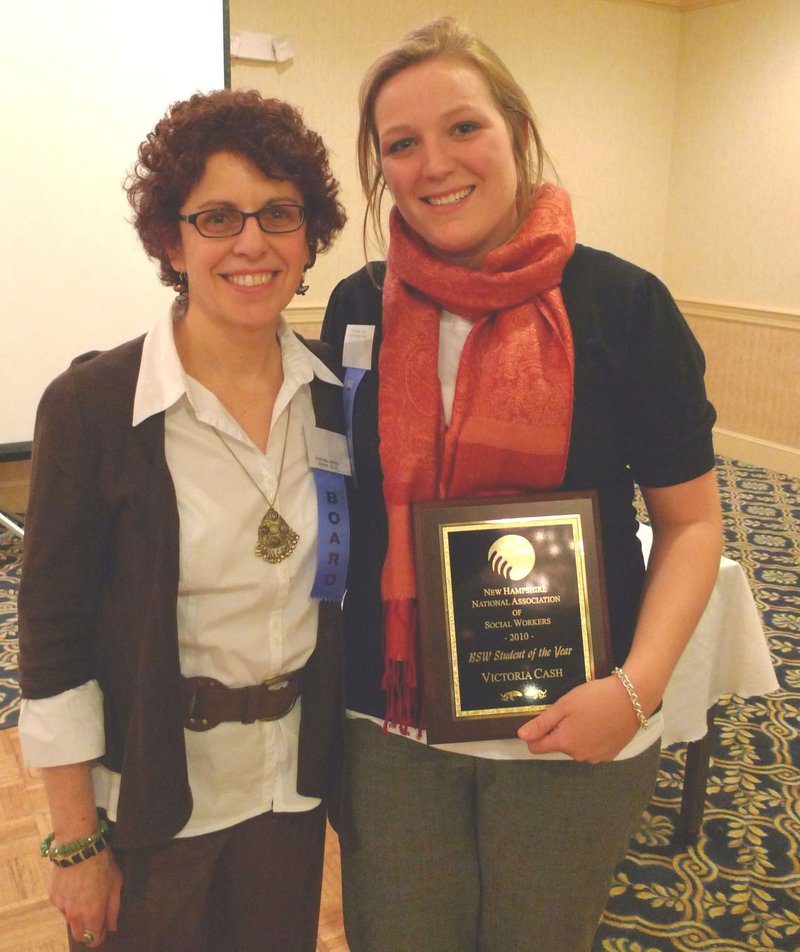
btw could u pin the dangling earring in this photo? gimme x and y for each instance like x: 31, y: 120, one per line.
x: 181, y: 287
x: 303, y: 287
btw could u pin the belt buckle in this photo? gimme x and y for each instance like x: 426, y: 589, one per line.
x: 279, y: 683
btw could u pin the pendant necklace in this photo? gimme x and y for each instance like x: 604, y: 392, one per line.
x: 276, y: 538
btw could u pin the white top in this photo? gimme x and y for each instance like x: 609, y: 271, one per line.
x: 241, y: 620
x: 453, y: 333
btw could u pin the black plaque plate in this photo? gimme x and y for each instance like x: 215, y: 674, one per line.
x: 512, y: 608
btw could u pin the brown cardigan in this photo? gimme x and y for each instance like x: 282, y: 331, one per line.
x: 99, y: 587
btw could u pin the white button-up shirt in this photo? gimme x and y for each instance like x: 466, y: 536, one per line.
x: 241, y: 620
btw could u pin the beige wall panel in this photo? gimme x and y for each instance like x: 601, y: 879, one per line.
x: 753, y: 377
x: 734, y: 209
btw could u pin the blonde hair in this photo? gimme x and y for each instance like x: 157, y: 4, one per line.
x: 444, y: 37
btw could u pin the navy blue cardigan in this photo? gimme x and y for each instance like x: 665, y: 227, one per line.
x: 640, y: 414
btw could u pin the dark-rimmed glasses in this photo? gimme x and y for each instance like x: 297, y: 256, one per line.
x: 277, y: 219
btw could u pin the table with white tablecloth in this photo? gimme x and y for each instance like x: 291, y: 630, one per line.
x: 727, y: 654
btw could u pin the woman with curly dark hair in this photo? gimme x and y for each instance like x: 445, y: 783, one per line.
x: 179, y: 610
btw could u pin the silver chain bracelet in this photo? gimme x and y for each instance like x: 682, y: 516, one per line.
x: 626, y: 683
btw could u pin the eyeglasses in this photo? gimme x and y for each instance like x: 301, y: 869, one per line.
x: 278, y: 219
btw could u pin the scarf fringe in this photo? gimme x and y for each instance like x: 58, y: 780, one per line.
x: 403, y: 707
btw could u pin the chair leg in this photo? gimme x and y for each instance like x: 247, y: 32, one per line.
x: 698, y: 758
x: 12, y: 524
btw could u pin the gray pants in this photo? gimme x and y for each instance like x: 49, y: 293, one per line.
x: 447, y: 853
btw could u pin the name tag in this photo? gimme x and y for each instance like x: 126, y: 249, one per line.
x: 327, y: 451
x: 357, y: 350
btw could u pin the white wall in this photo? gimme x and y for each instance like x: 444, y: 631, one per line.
x: 733, y: 234
x: 83, y: 83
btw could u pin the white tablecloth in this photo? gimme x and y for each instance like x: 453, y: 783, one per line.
x: 727, y: 654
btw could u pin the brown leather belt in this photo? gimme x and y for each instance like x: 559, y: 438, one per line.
x: 207, y: 702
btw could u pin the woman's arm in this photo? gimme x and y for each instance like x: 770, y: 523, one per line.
x: 61, y: 718
x: 681, y: 572
x: 596, y: 720
x: 88, y: 893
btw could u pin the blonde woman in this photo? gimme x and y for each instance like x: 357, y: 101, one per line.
x: 503, y: 357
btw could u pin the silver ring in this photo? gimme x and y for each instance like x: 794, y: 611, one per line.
x: 88, y: 937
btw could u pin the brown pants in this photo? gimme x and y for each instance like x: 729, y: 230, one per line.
x: 252, y: 888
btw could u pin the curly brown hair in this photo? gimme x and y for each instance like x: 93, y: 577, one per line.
x: 268, y: 132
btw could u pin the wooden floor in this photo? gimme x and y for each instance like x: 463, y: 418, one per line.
x: 29, y: 923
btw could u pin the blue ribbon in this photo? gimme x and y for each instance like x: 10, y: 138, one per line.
x: 333, y: 536
x: 352, y: 378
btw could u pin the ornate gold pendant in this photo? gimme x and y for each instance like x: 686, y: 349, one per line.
x: 276, y: 538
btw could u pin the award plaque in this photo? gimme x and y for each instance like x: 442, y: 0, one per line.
x: 512, y: 609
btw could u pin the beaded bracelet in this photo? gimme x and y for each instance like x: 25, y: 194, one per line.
x: 48, y: 851
x: 80, y: 855
x: 626, y: 683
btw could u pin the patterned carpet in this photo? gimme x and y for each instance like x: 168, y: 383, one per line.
x: 10, y: 560
x: 738, y: 886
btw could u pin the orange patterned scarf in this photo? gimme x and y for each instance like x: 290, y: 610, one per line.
x: 512, y: 411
